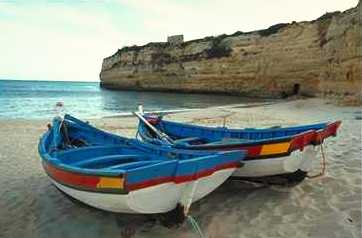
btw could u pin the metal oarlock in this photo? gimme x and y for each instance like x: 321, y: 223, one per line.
x: 140, y: 109
x: 59, y: 109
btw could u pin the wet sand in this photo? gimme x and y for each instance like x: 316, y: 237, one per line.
x: 325, y: 207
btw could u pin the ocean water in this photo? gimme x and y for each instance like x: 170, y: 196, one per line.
x: 37, y: 99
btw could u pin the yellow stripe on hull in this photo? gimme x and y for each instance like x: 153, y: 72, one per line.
x: 110, y: 182
x: 277, y: 148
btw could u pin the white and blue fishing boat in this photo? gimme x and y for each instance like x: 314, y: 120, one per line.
x: 123, y: 175
x: 272, y: 154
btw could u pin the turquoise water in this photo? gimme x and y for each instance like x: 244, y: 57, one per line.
x: 36, y: 99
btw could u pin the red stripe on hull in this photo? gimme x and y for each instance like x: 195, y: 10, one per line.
x: 301, y: 140
x: 330, y: 130
x: 252, y: 151
x: 205, y: 173
x: 181, y: 179
x: 90, y: 182
x: 297, y: 142
x: 71, y: 178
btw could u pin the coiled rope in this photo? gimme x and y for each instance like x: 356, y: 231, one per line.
x: 323, y: 165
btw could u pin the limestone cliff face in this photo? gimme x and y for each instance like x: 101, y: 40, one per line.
x: 322, y: 56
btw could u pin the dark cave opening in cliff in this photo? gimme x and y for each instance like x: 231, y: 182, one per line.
x: 296, y: 89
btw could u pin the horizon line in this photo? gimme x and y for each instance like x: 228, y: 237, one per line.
x: 47, y: 80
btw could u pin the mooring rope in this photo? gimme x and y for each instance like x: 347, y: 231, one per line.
x: 323, y: 164
x: 195, y: 226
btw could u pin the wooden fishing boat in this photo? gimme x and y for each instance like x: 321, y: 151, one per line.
x: 116, y: 174
x: 273, y: 151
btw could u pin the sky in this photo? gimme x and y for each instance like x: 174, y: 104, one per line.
x: 67, y: 40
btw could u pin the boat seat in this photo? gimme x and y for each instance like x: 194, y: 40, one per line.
x: 186, y: 140
x: 131, y: 165
x: 104, y: 161
x: 88, y: 150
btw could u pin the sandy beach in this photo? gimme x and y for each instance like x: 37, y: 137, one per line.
x: 329, y: 206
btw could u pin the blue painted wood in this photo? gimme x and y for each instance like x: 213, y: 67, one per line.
x: 186, y: 134
x: 107, y: 154
x: 108, y: 160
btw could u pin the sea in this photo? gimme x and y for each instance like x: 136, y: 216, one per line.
x: 37, y: 99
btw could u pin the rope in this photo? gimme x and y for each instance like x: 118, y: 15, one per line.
x: 189, y: 201
x: 192, y: 221
x: 224, y: 122
x: 323, y: 164
x: 195, y: 226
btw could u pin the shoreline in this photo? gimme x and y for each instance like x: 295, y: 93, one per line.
x: 243, y: 105
x: 165, y: 112
x: 252, y: 114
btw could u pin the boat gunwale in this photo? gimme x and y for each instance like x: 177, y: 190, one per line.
x: 223, y: 129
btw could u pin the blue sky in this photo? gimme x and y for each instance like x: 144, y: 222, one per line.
x: 67, y: 40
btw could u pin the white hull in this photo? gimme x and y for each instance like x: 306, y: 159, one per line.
x: 301, y: 160
x: 156, y: 199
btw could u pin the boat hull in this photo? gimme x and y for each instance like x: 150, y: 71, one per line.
x: 298, y: 160
x: 156, y: 199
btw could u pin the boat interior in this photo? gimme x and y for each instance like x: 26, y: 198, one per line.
x: 184, y: 134
x: 87, y: 148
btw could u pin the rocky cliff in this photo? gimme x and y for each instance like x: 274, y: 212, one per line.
x: 317, y: 58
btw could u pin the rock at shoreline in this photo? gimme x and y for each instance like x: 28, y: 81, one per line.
x: 319, y: 58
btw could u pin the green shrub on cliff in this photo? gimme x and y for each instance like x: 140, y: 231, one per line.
x: 273, y: 29
x: 218, y: 49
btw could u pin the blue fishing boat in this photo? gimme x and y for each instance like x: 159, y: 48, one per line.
x: 123, y: 175
x: 273, y: 151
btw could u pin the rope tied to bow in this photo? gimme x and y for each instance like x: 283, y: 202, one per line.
x: 323, y: 165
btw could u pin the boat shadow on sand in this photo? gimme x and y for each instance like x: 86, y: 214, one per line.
x: 204, y: 210
x: 127, y: 224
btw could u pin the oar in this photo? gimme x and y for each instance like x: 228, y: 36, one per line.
x: 160, y: 134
